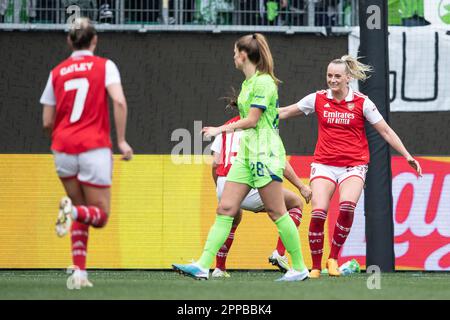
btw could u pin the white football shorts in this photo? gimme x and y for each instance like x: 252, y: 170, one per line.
x: 93, y: 167
x: 252, y: 201
x: 337, y: 174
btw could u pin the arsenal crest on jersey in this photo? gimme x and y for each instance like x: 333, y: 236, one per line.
x: 351, y: 106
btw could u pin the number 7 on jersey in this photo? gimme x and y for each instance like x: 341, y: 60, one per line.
x: 82, y: 87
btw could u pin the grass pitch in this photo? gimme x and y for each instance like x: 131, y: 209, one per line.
x: 168, y: 285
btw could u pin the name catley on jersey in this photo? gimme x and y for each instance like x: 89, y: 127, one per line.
x: 77, y: 89
x: 342, y: 137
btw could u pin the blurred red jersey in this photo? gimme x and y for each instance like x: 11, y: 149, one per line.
x: 227, y: 144
x: 82, y: 116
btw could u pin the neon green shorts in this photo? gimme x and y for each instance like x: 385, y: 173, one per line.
x: 257, y: 173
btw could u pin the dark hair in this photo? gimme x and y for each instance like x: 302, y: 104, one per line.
x: 258, y: 51
x: 81, y: 33
x: 231, y: 100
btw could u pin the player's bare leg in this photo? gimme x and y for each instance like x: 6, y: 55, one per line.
x: 98, y: 197
x: 349, y: 191
x: 273, y: 199
x: 322, y: 192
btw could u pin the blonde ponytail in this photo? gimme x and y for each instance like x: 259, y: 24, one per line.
x: 354, y: 68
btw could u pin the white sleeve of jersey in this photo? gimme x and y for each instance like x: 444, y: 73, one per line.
x: 112, y: 73
x: 217, y: 144
x: 371, y: 112
x: 48, y: 96
x: 308, y: 104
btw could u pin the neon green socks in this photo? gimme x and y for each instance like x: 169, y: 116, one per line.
x: 289, y: 235
x: 217, y: 236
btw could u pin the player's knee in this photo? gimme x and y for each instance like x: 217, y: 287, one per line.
x: 226, y: 209
x: 274, y: 214
x: 297, y: 203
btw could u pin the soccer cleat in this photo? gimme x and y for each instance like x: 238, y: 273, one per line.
x: 294, y: 275
x: 85, y: 283
x: 314, y: 274
x: 64, y: 220
x: 333, y: 268
x: 280, y: 261
x: 192, y: 270
x: 78, y: 280
x: 217, y: 273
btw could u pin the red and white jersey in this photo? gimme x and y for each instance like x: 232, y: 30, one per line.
x: 342, y: 137
x: 77, y: 88
x: 227, y: 145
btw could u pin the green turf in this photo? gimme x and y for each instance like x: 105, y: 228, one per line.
x: 242, y: 285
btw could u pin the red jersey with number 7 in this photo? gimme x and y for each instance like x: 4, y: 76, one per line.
x: 82, y: 116
x: 227, y: 145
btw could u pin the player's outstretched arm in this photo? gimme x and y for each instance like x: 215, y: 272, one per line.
x: 394, y: 141
x: 290, y: 112
x: 292, y: 177
x: 48, y: 119
x: 246, y: 123
x: 115, y: 91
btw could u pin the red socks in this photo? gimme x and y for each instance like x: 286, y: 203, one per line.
x: 316, y: 237
x: 80, y: 234
x: 296, y: 216
x: 221, y: 256
x: 342, y: 228
x: 85, y: 217
x: 91, y: 216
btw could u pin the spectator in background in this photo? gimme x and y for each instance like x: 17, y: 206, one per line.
x: 326, y: 13
x: 412, y: 13
x: 276, y: 12
x: 22, y: 11
x: 105, y: 11
x: 213, y: 11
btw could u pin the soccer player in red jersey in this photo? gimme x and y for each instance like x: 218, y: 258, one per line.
x: 341, y: 156
x: 225, y: 148
x: 75, y: 114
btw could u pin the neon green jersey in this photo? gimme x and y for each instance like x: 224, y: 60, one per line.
x: 260, y: 91
x: 261, y: 148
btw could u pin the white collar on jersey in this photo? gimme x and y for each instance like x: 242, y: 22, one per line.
x: 79, y: 53
x: 348, y: 98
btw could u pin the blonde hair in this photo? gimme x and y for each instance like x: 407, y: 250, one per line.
x: 354, y: 68
x: 258, y: 51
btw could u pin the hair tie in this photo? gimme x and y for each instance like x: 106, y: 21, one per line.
x: 254, y: 36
